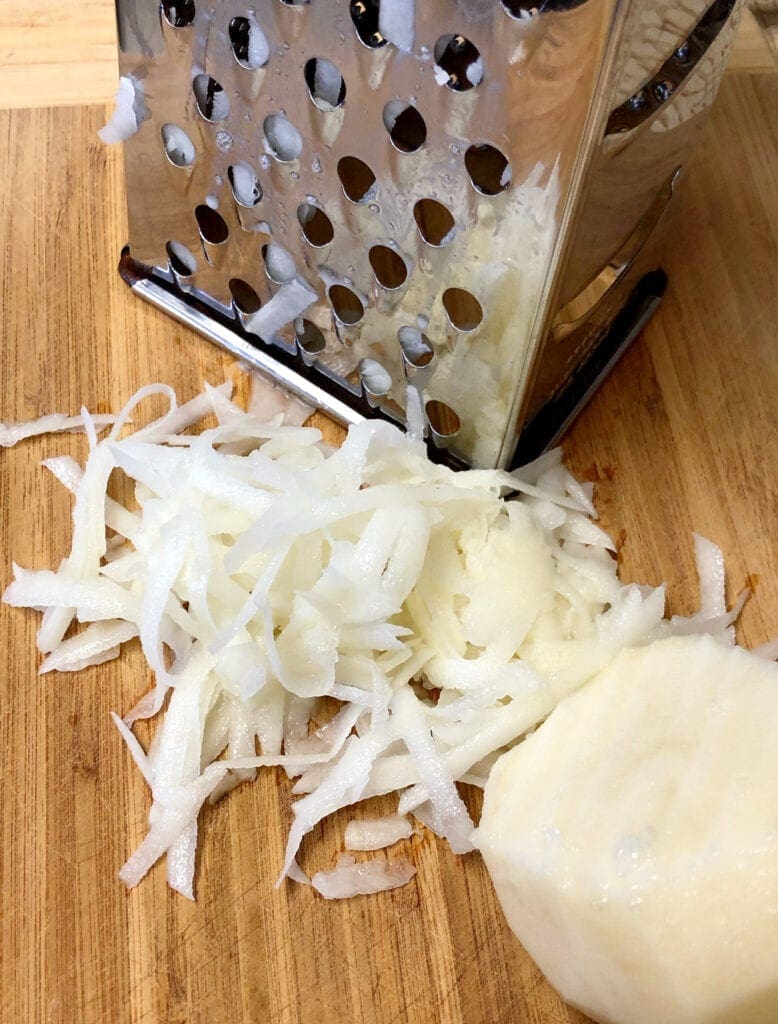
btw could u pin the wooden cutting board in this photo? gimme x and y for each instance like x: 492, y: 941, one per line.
x: 683, y: 437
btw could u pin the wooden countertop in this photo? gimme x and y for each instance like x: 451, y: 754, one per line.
x: 683, y: 437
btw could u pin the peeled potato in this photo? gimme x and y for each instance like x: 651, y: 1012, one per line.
x: 633, y: 839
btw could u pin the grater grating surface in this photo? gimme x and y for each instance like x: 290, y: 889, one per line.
x: 383, y: 203
x: 416, y: 198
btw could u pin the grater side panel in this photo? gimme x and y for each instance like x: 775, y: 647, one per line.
x: 652, y: 31
x: 539, y: 77
x: 632, y: 167
x: 626, y: 214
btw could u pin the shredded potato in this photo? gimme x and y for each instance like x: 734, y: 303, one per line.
x: 262, y: 571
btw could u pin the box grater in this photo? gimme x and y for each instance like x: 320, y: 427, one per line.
x: 454, y: 206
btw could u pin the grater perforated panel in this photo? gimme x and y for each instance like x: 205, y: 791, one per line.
x: 401, y: 208
x: 380, y: 195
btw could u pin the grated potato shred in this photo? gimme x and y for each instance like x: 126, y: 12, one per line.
x: 262, y: 571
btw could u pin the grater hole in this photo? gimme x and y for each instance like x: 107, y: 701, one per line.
x: 244, y: 183
x: 282, y: 139
x: 317, y: 226
x: 244, y: 298
x: 375, y: 379
x: 309, y: 337
x: 442, y: 419
x: 405, y: 125
x: 519, y: 10
x: 459, y: 61
x: 178, y: 13
x: 434, y: 221
x: 346, y: 305
x: 464, y: 311
x: 249, y: 43
x: 416, y: 347
x: 357, y: 179
x: 488, y: 168
x: 279, y: 264
x: 213, y: 227
x: 180, y: 259
x: 326, y: 85
x: 178, y: 146
x: 364, y: 14
x: 211, y: 99
x: 526, y: 11
x: 295, y: 3
x: 388, y: 266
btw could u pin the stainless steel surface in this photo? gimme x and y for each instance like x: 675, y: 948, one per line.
x: 410, y: 205
x: 625, y: 210
x: 241, y: 349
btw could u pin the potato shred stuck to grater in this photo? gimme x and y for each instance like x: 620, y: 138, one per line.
x: 448, y: 210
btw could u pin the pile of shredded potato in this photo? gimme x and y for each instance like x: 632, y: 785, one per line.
x: 263, y: 571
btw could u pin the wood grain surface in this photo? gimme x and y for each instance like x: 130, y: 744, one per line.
x: 53, y: 52
x: 682, y: 437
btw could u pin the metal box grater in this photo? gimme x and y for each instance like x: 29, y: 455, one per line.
x: 452, y: 203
